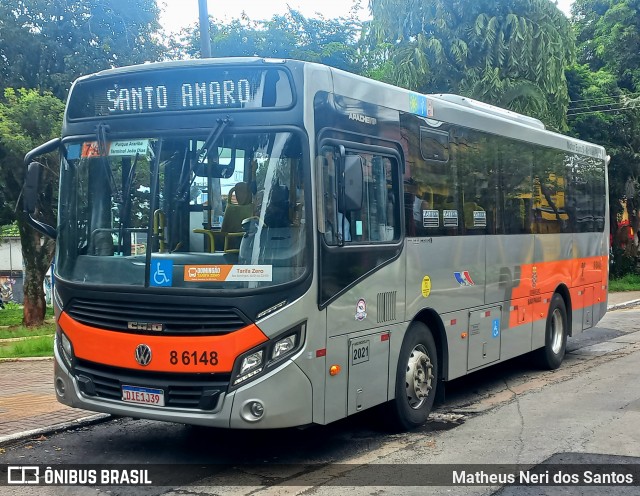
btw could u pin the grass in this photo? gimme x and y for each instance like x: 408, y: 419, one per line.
x: 40, y: 346
x: 40, y: 342
x: 628, y: 282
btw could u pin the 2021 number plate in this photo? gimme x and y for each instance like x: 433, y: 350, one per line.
x: 143, y: 395
x: 360, y: 352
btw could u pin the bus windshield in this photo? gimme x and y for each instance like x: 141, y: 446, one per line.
x: 183, y: 211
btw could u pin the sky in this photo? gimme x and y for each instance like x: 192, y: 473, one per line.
x: 181, y: 13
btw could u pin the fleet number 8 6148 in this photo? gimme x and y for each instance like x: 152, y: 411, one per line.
x: 193, y: 358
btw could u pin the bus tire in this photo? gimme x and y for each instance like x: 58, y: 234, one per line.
x: 555, y: 341
x: 416, y: 378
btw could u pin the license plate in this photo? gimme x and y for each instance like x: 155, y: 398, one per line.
x: 143, y: 395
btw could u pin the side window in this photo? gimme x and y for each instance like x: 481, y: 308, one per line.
x: 378, y: 218
x: 515, y: 187
x: 549, y: 207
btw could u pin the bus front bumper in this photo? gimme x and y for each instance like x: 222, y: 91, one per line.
x: 282, y: 398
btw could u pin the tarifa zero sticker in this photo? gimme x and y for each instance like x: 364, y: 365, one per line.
x: 218, y: 273
x: 426, y: 286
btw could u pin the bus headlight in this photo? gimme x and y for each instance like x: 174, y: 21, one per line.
x: 283, y: 346
x: 251, y: 362
x: 258, y: 360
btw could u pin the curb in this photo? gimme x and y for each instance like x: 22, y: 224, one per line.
x: 26, y: 359
x: 90, y: 420
x: 626, y: 304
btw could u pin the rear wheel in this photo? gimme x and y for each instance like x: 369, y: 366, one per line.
x: 416, y: 378
x: 555, y: 340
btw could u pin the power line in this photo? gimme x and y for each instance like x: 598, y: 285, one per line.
x: 572, y: 114
x: 618, y: 97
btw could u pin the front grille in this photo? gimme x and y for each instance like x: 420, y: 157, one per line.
x: 191, y: 391
x: 176, y: 318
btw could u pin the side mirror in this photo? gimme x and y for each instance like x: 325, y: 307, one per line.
x: 32, y: 183
x: 353, y: 182
x: 30, y: 191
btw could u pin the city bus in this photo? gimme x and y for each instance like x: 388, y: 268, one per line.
x: 257, y: 243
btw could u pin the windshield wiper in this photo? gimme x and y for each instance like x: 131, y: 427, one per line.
x: 215, y: 133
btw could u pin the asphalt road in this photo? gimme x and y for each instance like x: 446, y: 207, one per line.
x: 512, y: 414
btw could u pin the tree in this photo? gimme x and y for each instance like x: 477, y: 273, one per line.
x: 46, y: 44
x: 28, y: 119
x: 604, y: 90
x: 329, y: 41
x: 511, y: 53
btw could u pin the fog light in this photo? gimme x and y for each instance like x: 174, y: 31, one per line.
x: 252, y: 411
x: 257, y: 409
x: 60, y: 387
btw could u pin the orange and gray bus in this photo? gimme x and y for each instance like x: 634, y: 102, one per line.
x: 255, y: 243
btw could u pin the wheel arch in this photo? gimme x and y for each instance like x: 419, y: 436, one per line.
x: 564, y: 292
x: 432, y: 320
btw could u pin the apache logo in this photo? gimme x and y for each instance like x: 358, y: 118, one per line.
x: 144, y: 326
x: 463, y: 278
x: 365, y: 119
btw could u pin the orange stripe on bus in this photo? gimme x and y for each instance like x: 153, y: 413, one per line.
x: 586, y: 279
x: 168, y: 353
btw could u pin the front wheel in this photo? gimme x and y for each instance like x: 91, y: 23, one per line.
x: 416, y: 378
x: 555, y: 341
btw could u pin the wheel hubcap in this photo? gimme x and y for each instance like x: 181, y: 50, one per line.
x: 418, y: 377
x: 557, y: 331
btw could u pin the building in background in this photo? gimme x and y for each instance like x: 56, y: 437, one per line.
x: 11, y: 275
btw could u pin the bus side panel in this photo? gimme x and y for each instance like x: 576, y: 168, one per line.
x: 506, y: 256
x: 456, y: 326
x: 455, y: 268
x: 553, y: 267
x: 589, y: 270
x: 366, y: 311
x: 509, y: 281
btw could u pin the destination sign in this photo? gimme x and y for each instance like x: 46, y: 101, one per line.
x: 175, y: 90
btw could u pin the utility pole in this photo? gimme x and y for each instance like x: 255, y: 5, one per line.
x: 205, y: 39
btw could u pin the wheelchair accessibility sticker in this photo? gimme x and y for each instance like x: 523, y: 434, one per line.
x: 495, y: 329
x: 161, y: 272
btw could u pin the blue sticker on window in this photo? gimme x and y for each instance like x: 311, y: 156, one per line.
x: 73, y: 151
x: 495, y: 332
x: 161, y: 272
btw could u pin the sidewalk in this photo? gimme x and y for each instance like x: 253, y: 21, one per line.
x: 28, y: 407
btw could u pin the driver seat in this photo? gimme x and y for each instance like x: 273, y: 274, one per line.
x: 234, y: 214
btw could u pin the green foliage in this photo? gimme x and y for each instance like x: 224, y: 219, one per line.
x: 622, y: 265
x: 11, y: 318
x: 292, y: 35
x: 34, y: 347
x: 603, y: 89
x: 626, y: 282
x: 40, y: 342
x: 27, y: 119
x: 46, y: 44
x: 510, y: 53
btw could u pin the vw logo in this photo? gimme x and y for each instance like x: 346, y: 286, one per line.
x: 143, y: 354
